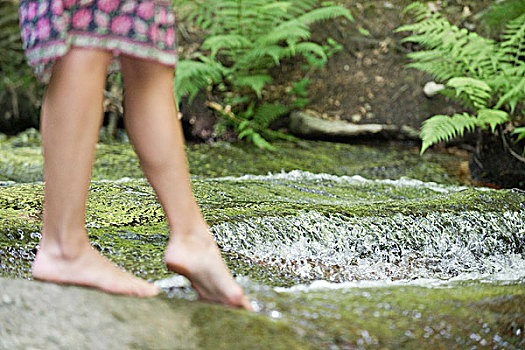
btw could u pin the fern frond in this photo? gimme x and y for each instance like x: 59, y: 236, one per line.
x: 520, y: 132
x: 255, y: 82
x: 325, y: 13
x: 513, y: 44
x: 314, y: 48
x: 301, y: 6
x: 254, y: 57
x: 491, y: 117
x: 228, y: 41
x: 513, y: 96
x: 192, y: 76
x: 419, y: 9
x: 443, y: 128
x: 290, y: 30
x: 477, y: 92
x: 268, y: 112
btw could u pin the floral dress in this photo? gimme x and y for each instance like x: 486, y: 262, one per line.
x: 138, y: 28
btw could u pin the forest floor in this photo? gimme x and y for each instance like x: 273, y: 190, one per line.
x: 364, y: 82
x: 367, y: 81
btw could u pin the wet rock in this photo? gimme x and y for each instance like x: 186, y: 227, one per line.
x: 432, y: 88
x: 312, y: 127
x: 399, y: 263
x: 45, y: 316
x: 21, y: 160
x: 36, y: 315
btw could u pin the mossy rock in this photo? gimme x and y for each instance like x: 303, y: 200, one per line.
x: 21, y: 160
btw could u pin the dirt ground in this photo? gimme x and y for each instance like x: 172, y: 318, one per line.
x: 367, y: 81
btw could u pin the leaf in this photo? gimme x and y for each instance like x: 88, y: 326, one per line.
x: 364, y: 31
x: 243, y: 125
x: 245, y: 133
x: 477, y: 92
x: 492, y: 117
x: 312, y: 48
x: 255, y: 82
x: 268, y: 112
x: 192, y: 76
x: 443, y: 128
x: 260, y: 142
x: 229, y: 41
x: 520, y: 132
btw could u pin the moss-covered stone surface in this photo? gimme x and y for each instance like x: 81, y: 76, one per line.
x: 21, y: 160
x: 410, y: 264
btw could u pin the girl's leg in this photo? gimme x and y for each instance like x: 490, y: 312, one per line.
x: 71, y: 119
x: 153, y: 127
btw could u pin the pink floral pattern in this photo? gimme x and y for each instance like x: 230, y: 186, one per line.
x: 57, y: 7
x: 42, y: 8
x: 102, y: 20
x: 128, y: 6
x: 81, y: 19
x: 31, y: 10
x: 139, y: 28
x: 146, y: 9
x: 43, y: 28
x: 108, y: 5
x: 121, y: 25
x: 170, y: 37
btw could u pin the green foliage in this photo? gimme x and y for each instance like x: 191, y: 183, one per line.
x: 253, y: 123
x: 300, y: 92
x: 19, y: 92
x: 193, y: 75
x: 520, y: 132
x: 487, y: 76
x: 502, y: 12
x: 246, y: 38
x: 471, y: 91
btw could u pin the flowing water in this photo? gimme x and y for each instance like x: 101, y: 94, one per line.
x: 344, y: 261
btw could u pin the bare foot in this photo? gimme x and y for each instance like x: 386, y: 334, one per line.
x: 197, y: 257
x: 89, y: 268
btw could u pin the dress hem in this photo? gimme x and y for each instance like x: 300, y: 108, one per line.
x: 42, y: 57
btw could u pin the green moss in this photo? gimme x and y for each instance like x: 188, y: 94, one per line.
x: 474, y: 314
x: 379, y: 162
x: 21, y: 160
x: 126, y: 223
x: 235, y: 329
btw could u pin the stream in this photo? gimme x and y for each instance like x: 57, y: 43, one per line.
x: 350, y: 247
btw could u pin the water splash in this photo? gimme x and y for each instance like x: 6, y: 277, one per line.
x: 338, y: 248
x: 300, y: 176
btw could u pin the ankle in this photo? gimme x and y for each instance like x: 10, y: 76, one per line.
x: 64, y: 246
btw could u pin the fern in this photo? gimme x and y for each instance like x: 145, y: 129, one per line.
x: 485, y: 75
x: 265, y: 114
x: 192, y: 76
x: 255, y: 82
x: 443, y: 128
x: 520, y: 132
x: 472, y: 91
x: 501, y: 12
x: 492, y: 118
x: 246, y: 39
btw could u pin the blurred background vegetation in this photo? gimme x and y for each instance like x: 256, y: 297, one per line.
x: 234, y: 52
x: 20, y: 93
